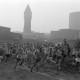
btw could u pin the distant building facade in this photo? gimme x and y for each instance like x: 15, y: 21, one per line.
x: 71, y: 34
x: 68, y: 34
x: 74, y: 28
x: 6, y: 34
x: 27, y: 34
x: 74, y: 20
x: 27, y: 20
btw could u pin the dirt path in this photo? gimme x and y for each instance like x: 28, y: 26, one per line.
x: 23, y: 73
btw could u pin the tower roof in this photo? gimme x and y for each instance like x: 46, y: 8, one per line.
x: 28, y: 10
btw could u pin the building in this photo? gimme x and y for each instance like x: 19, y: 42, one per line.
x: 27, y: 23
x: 16, y: 35
x: 71, y: 34
x: 6, y: 34
x: 27, y: 20
x: 27, y: 33
x: 74, y: 28
x: 74, y: 20
x: 68, y: 34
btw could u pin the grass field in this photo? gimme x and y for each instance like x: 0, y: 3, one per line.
x: 23, y: 73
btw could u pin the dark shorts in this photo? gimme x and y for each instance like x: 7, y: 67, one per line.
x: 7, y: 55
x: 38, y: 59
x: 59, y: 57
x: 18, y: 60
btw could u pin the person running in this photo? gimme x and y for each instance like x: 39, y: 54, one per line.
x: 1, y: 53
x: 7, y: 53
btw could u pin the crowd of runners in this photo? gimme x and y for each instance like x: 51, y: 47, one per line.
x: 35, y: 54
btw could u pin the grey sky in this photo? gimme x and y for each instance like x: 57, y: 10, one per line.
x: 47, y: 15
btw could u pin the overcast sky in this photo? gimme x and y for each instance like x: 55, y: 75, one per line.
x: 47, y: 15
